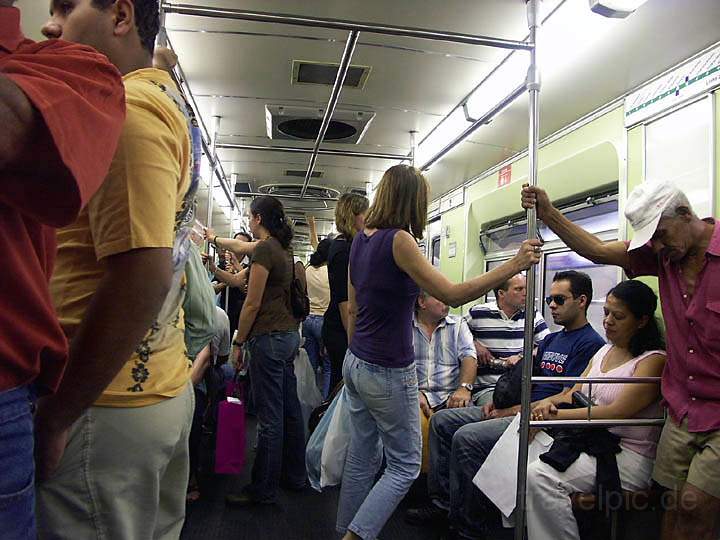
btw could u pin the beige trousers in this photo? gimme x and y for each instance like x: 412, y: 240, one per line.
x: 123, y: 476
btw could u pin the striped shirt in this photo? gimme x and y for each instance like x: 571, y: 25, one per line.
x: 438, y: 359
x: 502, y: 335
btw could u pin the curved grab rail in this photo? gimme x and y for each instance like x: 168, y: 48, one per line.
x: 603, y: 422
x: 596, y: 380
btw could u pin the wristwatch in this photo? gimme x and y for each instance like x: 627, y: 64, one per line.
x: 467, y: 386
x: 237, y: 343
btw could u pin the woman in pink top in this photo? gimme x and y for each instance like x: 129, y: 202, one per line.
x: 634, y: 350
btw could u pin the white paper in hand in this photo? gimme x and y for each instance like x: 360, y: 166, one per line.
x: 497, y: 478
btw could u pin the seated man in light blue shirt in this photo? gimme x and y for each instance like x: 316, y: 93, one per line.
x: 445, y: 359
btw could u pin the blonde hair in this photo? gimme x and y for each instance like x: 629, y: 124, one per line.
x: 348, y: 206
x: 401, y: 201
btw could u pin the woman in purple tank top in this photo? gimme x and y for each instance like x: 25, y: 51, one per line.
x: 387, y: 271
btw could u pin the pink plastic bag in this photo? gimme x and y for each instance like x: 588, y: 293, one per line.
x: 230, y: 444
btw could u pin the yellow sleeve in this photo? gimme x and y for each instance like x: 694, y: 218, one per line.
x: 136, y: 205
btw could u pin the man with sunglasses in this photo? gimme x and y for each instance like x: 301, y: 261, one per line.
x: 671, y: 242
x: 461, y: 439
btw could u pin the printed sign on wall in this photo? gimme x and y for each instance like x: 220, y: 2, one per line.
x: 505, y: 176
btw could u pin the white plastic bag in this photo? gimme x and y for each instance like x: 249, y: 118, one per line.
x: 307, y: 390
x: 336, y: 443
x: 314, y: 448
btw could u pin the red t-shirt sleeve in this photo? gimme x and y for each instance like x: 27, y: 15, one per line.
x: 81, y: 99
x: 643, y: 262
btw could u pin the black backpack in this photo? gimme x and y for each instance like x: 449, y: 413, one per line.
x: 299, y: 301
x: 508, y: 389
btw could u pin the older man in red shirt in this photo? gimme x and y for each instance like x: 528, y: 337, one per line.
x: 683, y: 251
x: 61, y: 113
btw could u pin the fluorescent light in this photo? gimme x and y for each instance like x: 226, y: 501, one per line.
x: 205, y: 170
x: 615, y: 8
x: 510, y: 74
x: 444, y: 133
x: 567, y: 35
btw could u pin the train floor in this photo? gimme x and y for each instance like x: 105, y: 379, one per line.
x: 309, y: 515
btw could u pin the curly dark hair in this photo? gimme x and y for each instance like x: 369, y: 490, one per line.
x: 147, y: 19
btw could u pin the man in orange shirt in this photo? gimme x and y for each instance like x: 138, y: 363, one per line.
x: 61, y: 111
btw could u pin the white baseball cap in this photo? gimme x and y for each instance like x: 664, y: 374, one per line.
x: 645, y: 206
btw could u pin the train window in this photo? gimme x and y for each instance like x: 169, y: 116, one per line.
x: 604, y: 278
x: 506, y: 238
x: 490, y: 265
x: 436, y: 251
x: 595, y: 218
x: 679, y: 149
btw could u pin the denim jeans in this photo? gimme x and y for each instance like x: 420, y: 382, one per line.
x: 460, y: 441
x: 383, y: 404
x: 312, y: 332
x: 280, y: 453
x: 17, y: 468
x: 443, y: 426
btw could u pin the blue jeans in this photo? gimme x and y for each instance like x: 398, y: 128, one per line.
x: 312, y: 332
x: 460, y: 442
x: 17, y: 468
x: 280, y: 455
x: 383, y: 405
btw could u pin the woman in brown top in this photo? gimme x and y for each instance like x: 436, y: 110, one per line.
x: 271, y: 332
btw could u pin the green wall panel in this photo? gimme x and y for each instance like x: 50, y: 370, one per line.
x: 453, y: 267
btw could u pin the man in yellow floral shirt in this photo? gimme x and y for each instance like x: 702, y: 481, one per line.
x: 112, y: 443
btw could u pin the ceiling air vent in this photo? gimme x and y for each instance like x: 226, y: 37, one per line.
x: 301, y: 173
x: 242, y: 187
x: 303, y: 123
x: 325, y: 73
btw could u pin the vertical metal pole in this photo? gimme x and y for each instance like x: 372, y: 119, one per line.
x: 213, y: 168
x: 413, y: 147
x: 533, y: 85
x: 162, y: 34
x: 233, y: 211
x: 211, y: 181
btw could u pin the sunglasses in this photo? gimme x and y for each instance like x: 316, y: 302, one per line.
x: 559, y: 299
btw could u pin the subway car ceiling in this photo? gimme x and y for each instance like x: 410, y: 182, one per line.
x: 269, y: 85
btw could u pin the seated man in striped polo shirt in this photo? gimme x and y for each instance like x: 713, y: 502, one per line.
x: 498, y: 329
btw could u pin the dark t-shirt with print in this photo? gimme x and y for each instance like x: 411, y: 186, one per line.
x: 275, y: 313
x: 564, y: 354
